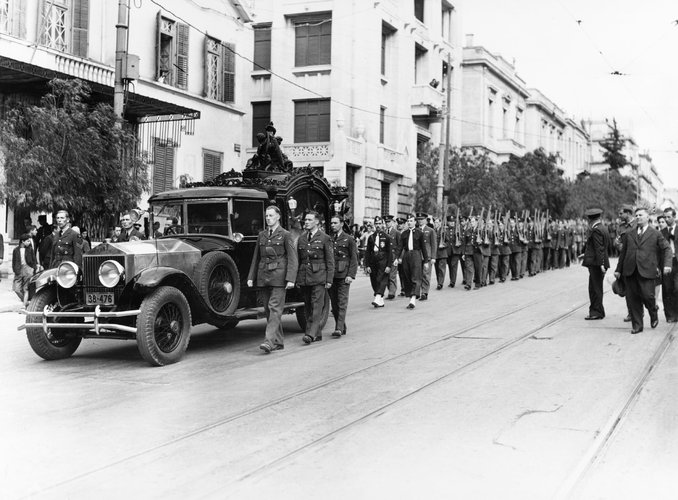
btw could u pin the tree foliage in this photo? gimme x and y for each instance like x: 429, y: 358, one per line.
x: 608, y: 192
x: 425, y: 188
x: 614, y: 145
x: 65, y: 154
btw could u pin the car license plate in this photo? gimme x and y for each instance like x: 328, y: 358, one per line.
x: 99, y: 299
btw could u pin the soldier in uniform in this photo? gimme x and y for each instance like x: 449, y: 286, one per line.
x: 455, y: 248
x: 431, y: 245
x: 394, y: 235
x: 485, y: 253
x: 378, y: 261
x: 533, y: 249
x: 493, y: 266
x: 469, y: 250
x: 414, y: 258
x: 504, y: 252
x: 316, y: 273
x: 274, y: 265
x: 65, y: 244
x: 402, y: 226
x: 442, y: 251
x: 345, y: 270
x: 129, y: 232
x: 516, y: 249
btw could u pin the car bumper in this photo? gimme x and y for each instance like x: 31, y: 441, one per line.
x: 98, y: 323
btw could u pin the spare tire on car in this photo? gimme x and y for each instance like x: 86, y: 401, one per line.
x: 218, y: 281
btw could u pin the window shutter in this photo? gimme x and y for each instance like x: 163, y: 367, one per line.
x: 205, y: 67
x: 262, y: 48
x: 300, y: 110
x: 163, y: 167
x: 80, y: 16
x: 211, y: 165
x: 45, y: 7
x: 228, y: 58
x: 261, y: 116
x: 325, y: 45
x: 301, y: 46
x: 158, y: 31
x: 182, y: 56
x: 19, y: 18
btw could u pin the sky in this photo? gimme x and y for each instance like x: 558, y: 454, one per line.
x: 568, y: 49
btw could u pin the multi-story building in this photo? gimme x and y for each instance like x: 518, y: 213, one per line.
x: 494, y: 104
x: 503, y: 117
x: 184, y: 92
x: 354, y: 87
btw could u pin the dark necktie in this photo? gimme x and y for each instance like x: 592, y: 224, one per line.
x: 270, y: 233
x: 308, y: 236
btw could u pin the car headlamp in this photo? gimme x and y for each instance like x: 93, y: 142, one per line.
x: 238, y: 237
x: 67, y: 274
x: 110, y: 273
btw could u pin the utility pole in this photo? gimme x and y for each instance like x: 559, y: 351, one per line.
x: 120, y: 60
x: 444, y: 158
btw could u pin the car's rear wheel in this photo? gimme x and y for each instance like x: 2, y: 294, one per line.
x: 57, y: 343
x: 218, y: 281
x: 163, y: 326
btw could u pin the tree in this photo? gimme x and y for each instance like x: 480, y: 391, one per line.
x: 613, y: 145
x: 427, y: 179
x: 599, y: 190
x: 65, y: 154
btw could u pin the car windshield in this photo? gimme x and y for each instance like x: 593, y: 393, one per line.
x: 170, y: 218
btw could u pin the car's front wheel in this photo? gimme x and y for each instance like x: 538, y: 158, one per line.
x: 163, y: 326
x: 57, y: 343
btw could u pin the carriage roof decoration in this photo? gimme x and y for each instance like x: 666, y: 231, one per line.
x: 270, y: 169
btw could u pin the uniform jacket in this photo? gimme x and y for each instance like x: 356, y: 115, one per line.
x: 125, y: 236
x: 452, y: 247
x: 514, y: 240
x: 16, y: 259
x: 394, y: 234
x: 275, y: 260
x: 469, y: 238
x: 430, y: 240
x: 65, y: 248
x: 442, y: 247
x: 345, y: 256
x: 643, y: 253
x: 595, y: 251
x: 381, y: 256
x: 316, y: 259
x: 418, y: 242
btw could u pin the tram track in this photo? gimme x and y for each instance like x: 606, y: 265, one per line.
x: 342, y: 377
x: 610, y: 429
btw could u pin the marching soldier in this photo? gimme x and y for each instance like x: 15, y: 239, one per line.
x: 401, y: 227
x: 316, y: 273
x: 504, y: 252
x: 442, y: 251
x: 378, y: 261
x: 455, y: 249
x: 533, y: 249
x: 413, y: 257
x: 274, y: 265
x: 394, y: 235
x: 493, y: 267
x: 469, y: 250
x: 345, y: 270
x: 431, y: 246
x: 516, y: 249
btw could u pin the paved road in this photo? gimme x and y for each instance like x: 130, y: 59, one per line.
x: 500, y: 393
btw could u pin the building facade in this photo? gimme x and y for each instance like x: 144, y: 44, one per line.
x: 354, y: 87
x: 184, y: 87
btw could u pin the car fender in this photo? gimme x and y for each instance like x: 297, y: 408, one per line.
x: 41, y: 280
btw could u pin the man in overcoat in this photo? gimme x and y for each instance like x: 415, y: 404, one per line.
x: 642, y: 251
x: 670, y: 282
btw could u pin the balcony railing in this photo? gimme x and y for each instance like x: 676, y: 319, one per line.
x: 426, y: 100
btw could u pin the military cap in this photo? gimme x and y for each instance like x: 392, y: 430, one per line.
x: 451, y: 218
x: 627, y: 208
x: 401, y: 220
x: 378, y: 219
x: 593, y: 213
x: 388, y: 218
x: 420, y: 215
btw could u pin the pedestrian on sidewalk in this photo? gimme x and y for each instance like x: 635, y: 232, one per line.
x: 274, y: 266
x: 24, y: 266
x: 597, y: 261
x: 639, y: 265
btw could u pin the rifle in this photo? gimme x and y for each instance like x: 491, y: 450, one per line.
x: 457, y: 231
x: 546, y: 226
x: 495, y: 228
x: 507, y: 217
x: 479, y: 238
x: 537, y: 228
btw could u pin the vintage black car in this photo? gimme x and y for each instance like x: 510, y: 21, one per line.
x: 155, y: 290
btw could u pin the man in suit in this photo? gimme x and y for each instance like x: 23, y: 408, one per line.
x: 431, y: 243
x: 670, y: 282
x: 378, y: 261
x: 414, y: 258
x: 639, y: 264
x: 394, y: 235
x: 274, y: 266
x: 315, y: 275
x: 129, y: 232
x: 345, y: 270
x: 597, y: 261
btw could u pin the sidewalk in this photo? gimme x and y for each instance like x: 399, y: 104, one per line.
x: 9, y: 302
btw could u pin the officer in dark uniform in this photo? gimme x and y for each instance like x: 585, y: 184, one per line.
x: 394, y: 234
x: 455, y: 248
x: 596, y: 259
x: 493, y: 267
x: 431, y: 245
x: 504, y: 252
x: 316, y: 273
x: 414, y: 257
x: 65, y: 245
x: 516, y: 249
x: 378, y: 261
x: 442, y: 251
x: 345, y: 270
x: 274, y: 266
x: 470, y: 233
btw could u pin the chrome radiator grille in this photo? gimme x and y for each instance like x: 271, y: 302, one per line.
x: 90, y: 274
